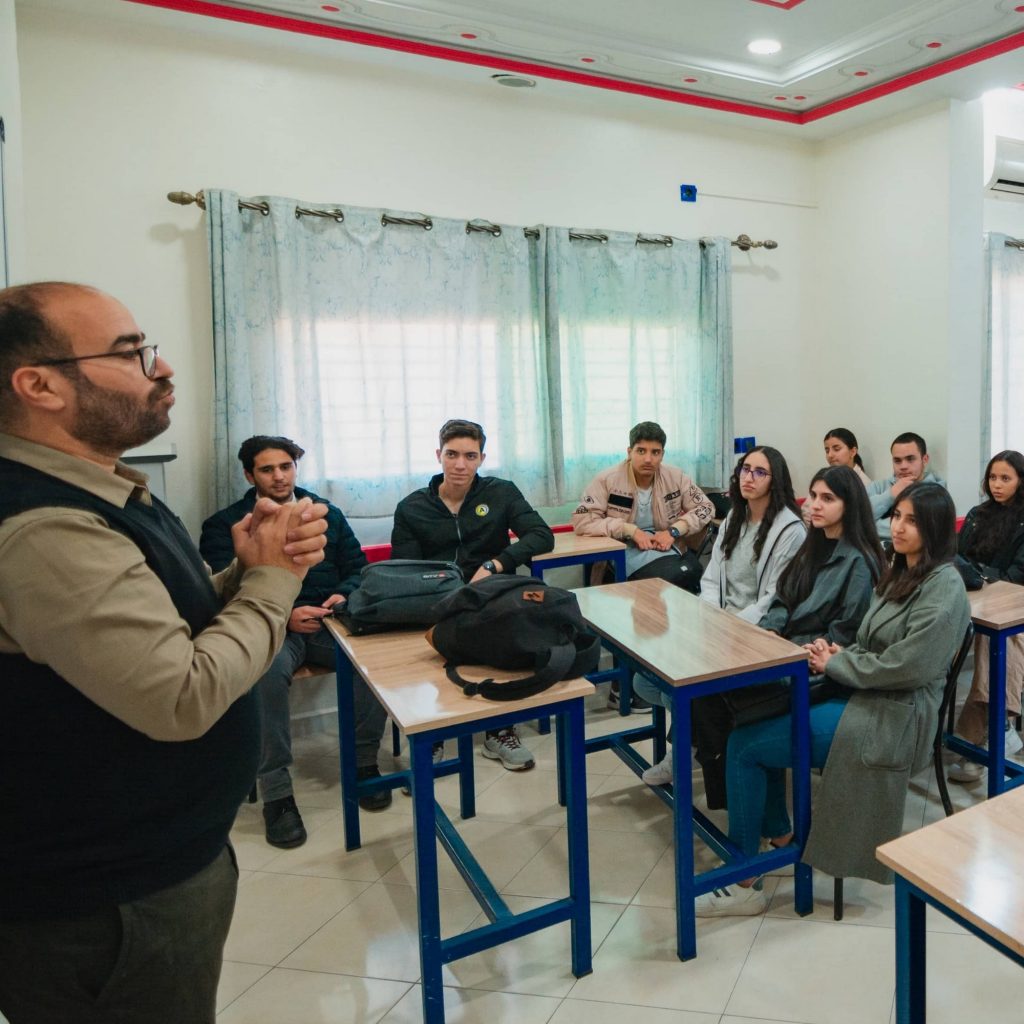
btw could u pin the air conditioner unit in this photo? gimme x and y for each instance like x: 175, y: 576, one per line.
x: 1007, y: 178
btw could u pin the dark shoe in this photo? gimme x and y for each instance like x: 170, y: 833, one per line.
x: 636, y: 703
x: 284, y: 823
x: 373, y: 801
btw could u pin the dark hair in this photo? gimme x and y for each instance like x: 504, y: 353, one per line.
x: 935, y: 518
x: 647, y: 431
x: 27, y: 335
x: 251, y: 447
x: 797, y: 579
x: 780, y: 496
x: 849, y: 439
x: 909, y: 437
x: 461, y: 428
x: 995, y: 524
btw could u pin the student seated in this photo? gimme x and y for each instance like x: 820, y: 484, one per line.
x: 270, y: 464
x: 841, y: 450
x: 758, y: 538
x: 992, y: 538
x: 823, y: 592
x: 876, y: 731
x: 651, y: 507
x: 909, y: 466
x: 465, y: 518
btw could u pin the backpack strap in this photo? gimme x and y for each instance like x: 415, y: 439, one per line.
x: 560, y: 661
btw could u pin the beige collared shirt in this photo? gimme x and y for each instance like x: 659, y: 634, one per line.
x: 78, y: 596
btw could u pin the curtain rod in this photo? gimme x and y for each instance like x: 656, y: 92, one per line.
x: 742, y: 242
x: 1015, y: 243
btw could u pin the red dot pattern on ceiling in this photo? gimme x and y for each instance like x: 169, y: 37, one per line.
x: 689, y: 81
x: 860, y: 74
x: 468, y: 35
x: 330, y: 7
x: 780, y: 97
x: 799, y: 97
x: 933, y: 45
x: 587, y: 60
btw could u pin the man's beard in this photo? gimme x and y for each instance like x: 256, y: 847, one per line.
x: 111, y: 422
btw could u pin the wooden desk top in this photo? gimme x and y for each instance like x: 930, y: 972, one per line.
x: 998, y: 605
x: 408, y: 677
x: 678, y: 636
x: 971, y: 863
x: 572, y: 544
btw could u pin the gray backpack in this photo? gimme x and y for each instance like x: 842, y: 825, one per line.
x: 398, y: 593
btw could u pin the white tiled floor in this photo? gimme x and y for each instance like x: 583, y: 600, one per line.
x: 321, y: 935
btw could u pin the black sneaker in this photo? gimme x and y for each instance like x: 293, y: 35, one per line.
x: 378, y: 801
x: 636, y: 703
x: 284, y: 823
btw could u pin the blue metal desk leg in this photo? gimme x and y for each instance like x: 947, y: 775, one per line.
x: 910, y: 955
x: 618, y: 559
x: 467, y: 790
x: 427, y: 897
x: 543, y: 724
x: 347, y: 750
x: 996, y: 713
x: 560, y: 766
x: 682, y: 823
x: 801, y: 740
x: 571, y: 760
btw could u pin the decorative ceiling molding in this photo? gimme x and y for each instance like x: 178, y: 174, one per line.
x: 844, y: 76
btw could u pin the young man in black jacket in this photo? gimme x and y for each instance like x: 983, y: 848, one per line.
x: 465, y: 518
x: 270, y: 465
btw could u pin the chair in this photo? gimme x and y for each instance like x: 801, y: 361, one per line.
x: 946, y: 712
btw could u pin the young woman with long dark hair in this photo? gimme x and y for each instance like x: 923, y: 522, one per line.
x: 877, y: 728
x: 760, y: 535
x: 841, y: 449
x: 992, y: 539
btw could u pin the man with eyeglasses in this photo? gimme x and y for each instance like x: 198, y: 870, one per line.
x: 465, y: 518
x: 270, y: 464
x: 128, y: 734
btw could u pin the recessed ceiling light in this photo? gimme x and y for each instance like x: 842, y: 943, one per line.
x: 514, y: 81
x: 764, y: 47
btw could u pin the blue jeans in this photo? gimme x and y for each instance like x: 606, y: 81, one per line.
x: 756, y: 762
x: 649, y: 692
x: 272, y: 689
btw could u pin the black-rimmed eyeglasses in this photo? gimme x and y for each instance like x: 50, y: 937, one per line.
x: 147, y: 354
x: 755, y: 472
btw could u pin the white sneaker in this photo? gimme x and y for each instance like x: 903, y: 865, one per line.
x: 965, y: 771
x: 660, y: 774
x: 503, y: 745
x: 1012, y: 743
x: 735, y: 901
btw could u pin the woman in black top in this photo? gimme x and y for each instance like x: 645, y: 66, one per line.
x: 992, y: 539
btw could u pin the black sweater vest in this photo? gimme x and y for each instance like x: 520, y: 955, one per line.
x: 94, y: 812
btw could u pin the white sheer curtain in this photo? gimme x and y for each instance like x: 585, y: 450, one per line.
x: 1006, y: 343
x: 359, y: 340
x: 640, y: 331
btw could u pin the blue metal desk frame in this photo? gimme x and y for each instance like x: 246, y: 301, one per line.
x: 737, y: 866
x: 911, y: 948
x: 994, y: 759
x: 430, y: 820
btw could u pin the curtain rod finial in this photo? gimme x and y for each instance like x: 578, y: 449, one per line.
x: 186, y: 199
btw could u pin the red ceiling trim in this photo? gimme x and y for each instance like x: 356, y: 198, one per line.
x: 926, y: 74
x: 786, y: 5
x: 266, y: 19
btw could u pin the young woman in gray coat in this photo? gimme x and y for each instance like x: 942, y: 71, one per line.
x: 877, y: 731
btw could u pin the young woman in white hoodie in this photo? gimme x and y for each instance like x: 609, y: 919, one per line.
x: 760, y: 535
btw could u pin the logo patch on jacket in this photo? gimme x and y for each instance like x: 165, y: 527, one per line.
x: 620, y: 500
x: 672, y: 496
x: 482, y: 510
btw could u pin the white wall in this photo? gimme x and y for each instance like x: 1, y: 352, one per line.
x: 116, y: 116
x: 10, y: 111
x: 881, y: 345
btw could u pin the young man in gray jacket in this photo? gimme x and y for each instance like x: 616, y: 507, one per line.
x: 909, y: 466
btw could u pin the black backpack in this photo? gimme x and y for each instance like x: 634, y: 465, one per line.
x: 513, y: 622
x: 400, y: 592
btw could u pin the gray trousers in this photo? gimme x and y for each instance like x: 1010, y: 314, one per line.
x: 156, y: 960
x: 272, y: 689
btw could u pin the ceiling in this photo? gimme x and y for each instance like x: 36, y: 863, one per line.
x: 835, y: 55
